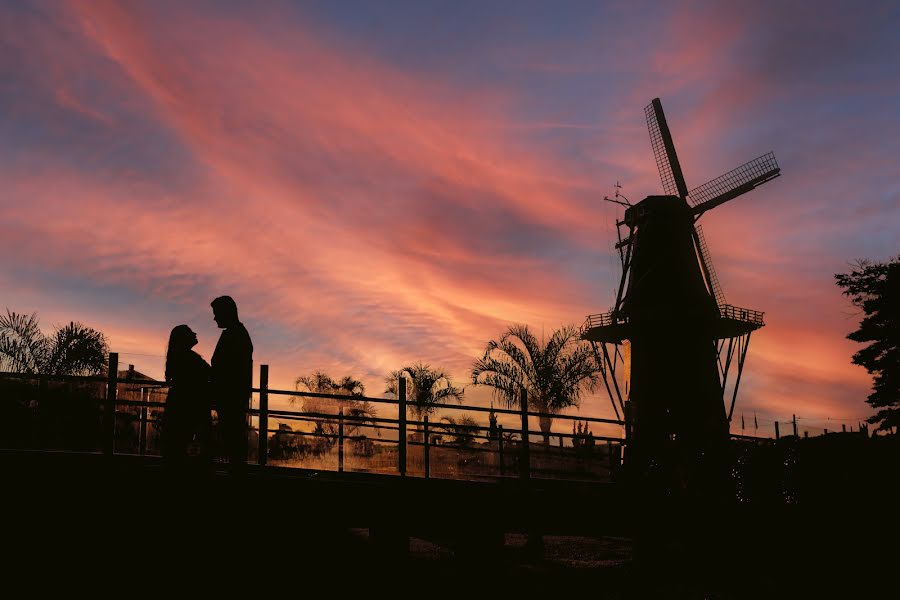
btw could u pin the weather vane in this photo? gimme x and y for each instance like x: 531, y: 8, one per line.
x: 618, y: 195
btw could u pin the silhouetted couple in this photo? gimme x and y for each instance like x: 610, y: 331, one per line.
x: 195, y: 388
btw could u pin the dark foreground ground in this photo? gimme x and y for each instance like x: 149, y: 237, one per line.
x: 68, y: 529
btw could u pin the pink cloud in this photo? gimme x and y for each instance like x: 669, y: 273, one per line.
x: 366, y: 217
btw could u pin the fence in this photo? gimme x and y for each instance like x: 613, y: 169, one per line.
x: 62, y: 413
x: 455, y: 448
x: 797, y: 427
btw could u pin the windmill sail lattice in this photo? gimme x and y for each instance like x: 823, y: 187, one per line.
x: 734, y: 183
x: 664, y: 150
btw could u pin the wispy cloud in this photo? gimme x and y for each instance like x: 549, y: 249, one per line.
x: 367, y: 214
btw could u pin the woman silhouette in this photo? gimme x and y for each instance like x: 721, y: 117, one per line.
x: 188, y: 403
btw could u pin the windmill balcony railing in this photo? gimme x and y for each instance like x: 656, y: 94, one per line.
x: 727, y: 311
x: 603, y: 320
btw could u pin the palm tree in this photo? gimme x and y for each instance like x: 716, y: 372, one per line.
x: 463, y: 429
x: 71, y: 350
x: 427, y: 389
x: 554, y: 375
x: 23, y: 348
x: 357, y: 412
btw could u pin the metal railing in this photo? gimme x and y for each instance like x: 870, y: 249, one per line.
x: 603, y: 320
x: 727, y: 311
x: 138, y: 408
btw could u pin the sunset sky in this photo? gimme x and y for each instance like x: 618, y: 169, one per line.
x: 378, y: 183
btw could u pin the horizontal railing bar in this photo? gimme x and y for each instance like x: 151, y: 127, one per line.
x: 326, y: 396
x: 157, y: 385
x: 287, y: 414
x: 505, y: 411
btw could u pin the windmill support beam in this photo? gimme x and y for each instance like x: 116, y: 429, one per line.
x: 720, y: 345
x: 625, y: 267
x: 728, y: 357
x: 737, y: 382
x: 609, y: 366
x: 606, y: 373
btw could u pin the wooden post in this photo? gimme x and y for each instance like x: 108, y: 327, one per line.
x: 609, y: 455
x: 843, y: 427
x: 500, y: 448
x: 826, y: 432
x: 401, y: 427
x: 109, y: 407
x: 142, y: 436
x: 777, y: 432
x: 806, y: 433
x: 263, y: 447
x: 525, y: 467
x: 425, y: 447
x: 795, y: 426
x: 341, y: 440
x: 629, y: 433
x: 560, y: 443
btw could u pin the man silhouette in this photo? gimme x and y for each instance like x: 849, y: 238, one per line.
x: 232, y: 378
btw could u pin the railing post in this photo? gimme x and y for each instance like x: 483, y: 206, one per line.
x: 109, y: 407
x: 525, y: 467
x: 609, y: 456
x: 142, y: 437
x: 401, y: 426
x: 500, y: 448
x: 795, y: 426
x: 427, y: 457
x: 628, y: 415
x: 263, y: 446
x: 777, y: 432
x: 843, y: 428
x: 341, y: 440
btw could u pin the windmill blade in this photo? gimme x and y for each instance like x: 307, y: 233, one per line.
x: 664, y: 151
x: 734, y: 183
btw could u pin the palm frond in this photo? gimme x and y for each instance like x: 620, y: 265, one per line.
x: 23, y: 348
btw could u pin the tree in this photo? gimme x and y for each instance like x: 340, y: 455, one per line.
x: 426, y: 388
x: 464, y: 429
x: 356, y: 412
x: 874, y: 288
x: 554, y: 375
x: 71, y: 350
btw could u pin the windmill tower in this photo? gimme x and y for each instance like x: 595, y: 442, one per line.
x: 683, y: 337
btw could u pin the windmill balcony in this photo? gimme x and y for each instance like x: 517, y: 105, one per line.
x: 744, y: 315
x: 605, y: 327
x: 733, y: 321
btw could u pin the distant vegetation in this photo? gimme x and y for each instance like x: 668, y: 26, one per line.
x: 874, y: 288
x: 357, y: 412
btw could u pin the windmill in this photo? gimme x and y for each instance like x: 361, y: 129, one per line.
x: 682, y: 336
